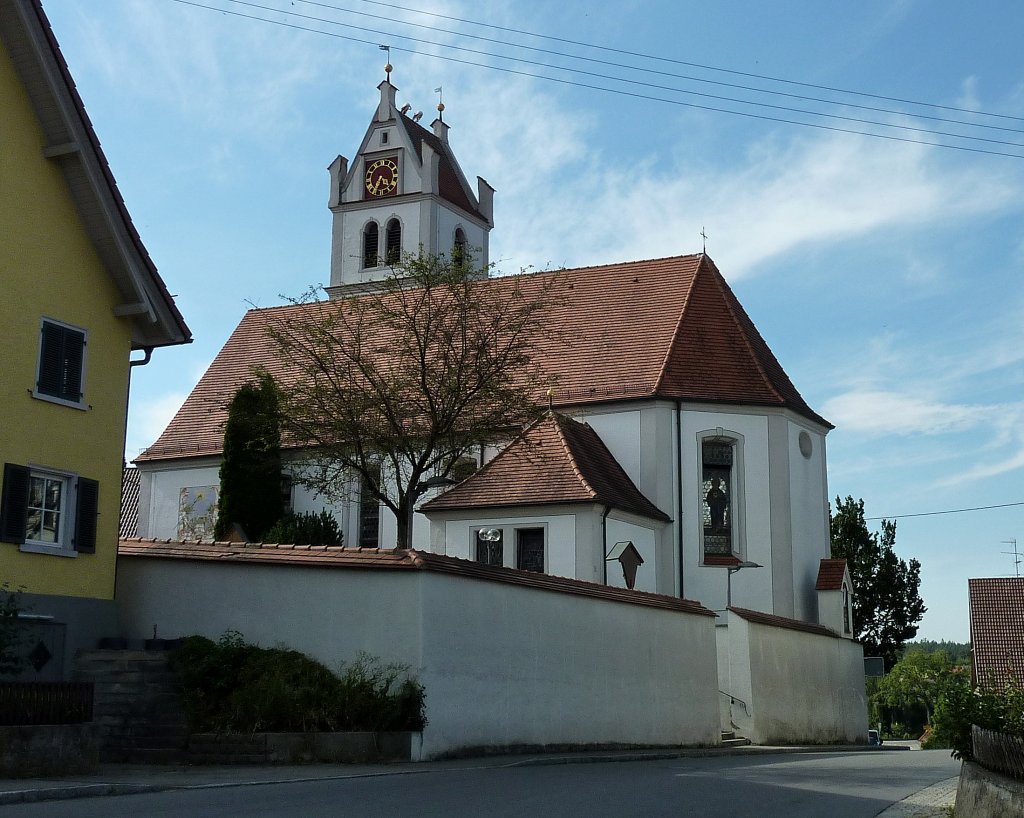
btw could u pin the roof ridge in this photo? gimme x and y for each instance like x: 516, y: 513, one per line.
x: 731, y: 303
x: 673, y: 344
x: 557, y: 417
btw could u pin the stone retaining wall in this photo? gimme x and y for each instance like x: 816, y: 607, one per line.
x: 984, y: 794
x: 294, y: 748
x: 39, y: 750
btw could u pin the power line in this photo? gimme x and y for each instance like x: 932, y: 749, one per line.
x: 689, y: 64
x: 658, y: 71
x: 618, y: 91
x: 947, y: 511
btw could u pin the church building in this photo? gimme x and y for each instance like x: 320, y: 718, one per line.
x: 676, y: 458
x: 672, y: 424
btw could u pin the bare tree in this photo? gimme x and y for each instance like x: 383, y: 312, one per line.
x: 396, y: 386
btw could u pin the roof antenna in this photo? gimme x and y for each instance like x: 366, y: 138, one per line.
x: 703, y: 235
x: 440, y: 102
x: 1015, y: 554
x: 387, y: 65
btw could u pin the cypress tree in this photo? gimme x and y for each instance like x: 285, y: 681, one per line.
x: 250, y: 473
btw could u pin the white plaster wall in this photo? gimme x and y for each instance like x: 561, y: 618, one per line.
x: 810, y: 518
x: 804, y: 688
x: 328, y: 614
x: 620, y: 432
x: 645, y: 541
x: 512, y: 666
x: 164, y: 487
x: 503, y: 665
x: 559, y: 542
x: 350, y: 249
x: 752, y: 587
x: 476, y: 238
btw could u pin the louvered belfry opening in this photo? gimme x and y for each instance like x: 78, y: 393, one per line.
x: 371, y: 242
x: 393, y: 242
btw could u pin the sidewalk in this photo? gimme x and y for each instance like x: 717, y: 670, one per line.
x: 127, y: 779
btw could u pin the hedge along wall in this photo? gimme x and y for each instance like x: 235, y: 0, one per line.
x: 504, y: 665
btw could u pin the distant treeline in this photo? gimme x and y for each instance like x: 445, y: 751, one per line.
x: 959, y: 652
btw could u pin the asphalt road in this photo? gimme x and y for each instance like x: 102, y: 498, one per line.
x: 818, y: 785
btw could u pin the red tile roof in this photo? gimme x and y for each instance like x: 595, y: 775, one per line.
x: 667, y: 328
x: 556, y: 460
x: 450, y: 182
x: 830, y: 575
x: 761, y: 618
x: 129, y: 522
x: 393, y: 559
x: 997, y: 629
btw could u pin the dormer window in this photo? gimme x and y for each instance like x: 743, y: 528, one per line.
x: 371, y: 245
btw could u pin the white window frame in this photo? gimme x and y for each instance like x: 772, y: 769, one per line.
x: 736, y: 493
x: 64, y: 547
x: 80, y: 403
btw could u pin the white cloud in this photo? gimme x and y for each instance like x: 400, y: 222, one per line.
x: 895, y: 413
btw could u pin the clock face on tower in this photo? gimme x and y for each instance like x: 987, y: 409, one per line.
x: 381, y: 178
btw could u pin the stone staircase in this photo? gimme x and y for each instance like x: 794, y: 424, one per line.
x: 730, y: 739
x: 136, y: 707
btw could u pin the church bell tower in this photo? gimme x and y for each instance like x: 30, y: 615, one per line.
x: 403, y: 191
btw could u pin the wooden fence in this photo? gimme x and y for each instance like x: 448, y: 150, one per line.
x: 45, y: 703
x: 999, y: 752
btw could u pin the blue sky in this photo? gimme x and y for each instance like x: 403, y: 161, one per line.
x: 885, y: 275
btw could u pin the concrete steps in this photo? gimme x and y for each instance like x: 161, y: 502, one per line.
x: 730, y: 739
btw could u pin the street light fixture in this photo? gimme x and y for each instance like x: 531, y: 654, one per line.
x: 732, y: 570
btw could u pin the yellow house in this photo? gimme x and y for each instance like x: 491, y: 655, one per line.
x: 78, y: 294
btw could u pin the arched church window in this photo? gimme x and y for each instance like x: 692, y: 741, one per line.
x: 721, y: 494
x: 371, y: 242
x: 460, y: 252
x: 393, y: 242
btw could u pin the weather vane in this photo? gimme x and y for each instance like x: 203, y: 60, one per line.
x: 440, y: 102
x: 387, y: 66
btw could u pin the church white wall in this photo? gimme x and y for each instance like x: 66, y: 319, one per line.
x: 800, y: 688
x: 347, y: 254
x: 457, y: 538
x: 645, y: 539
x: 810, y: 516
x: 503, y: 665
x: 751, y: 587
x: 160, y: 493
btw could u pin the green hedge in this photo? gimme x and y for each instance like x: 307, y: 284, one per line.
x: 233, y: 686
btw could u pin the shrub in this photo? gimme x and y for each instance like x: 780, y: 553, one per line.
x: 1000, y: 709
x: 306, y: 529
x: 233, y: 686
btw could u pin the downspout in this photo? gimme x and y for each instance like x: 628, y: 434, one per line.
x: 604, y: 542
x: 679, y: 492
x: 147, y: 355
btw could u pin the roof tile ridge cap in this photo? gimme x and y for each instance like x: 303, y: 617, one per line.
x: 725, y: 290
x: 558, y: 418
x: 674, y: 343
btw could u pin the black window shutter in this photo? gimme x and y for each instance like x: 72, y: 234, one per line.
x: 60, y: 362
x: 85, y: 517
x: 14, y: 504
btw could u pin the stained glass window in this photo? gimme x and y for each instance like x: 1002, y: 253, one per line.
x: 716, y: 496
